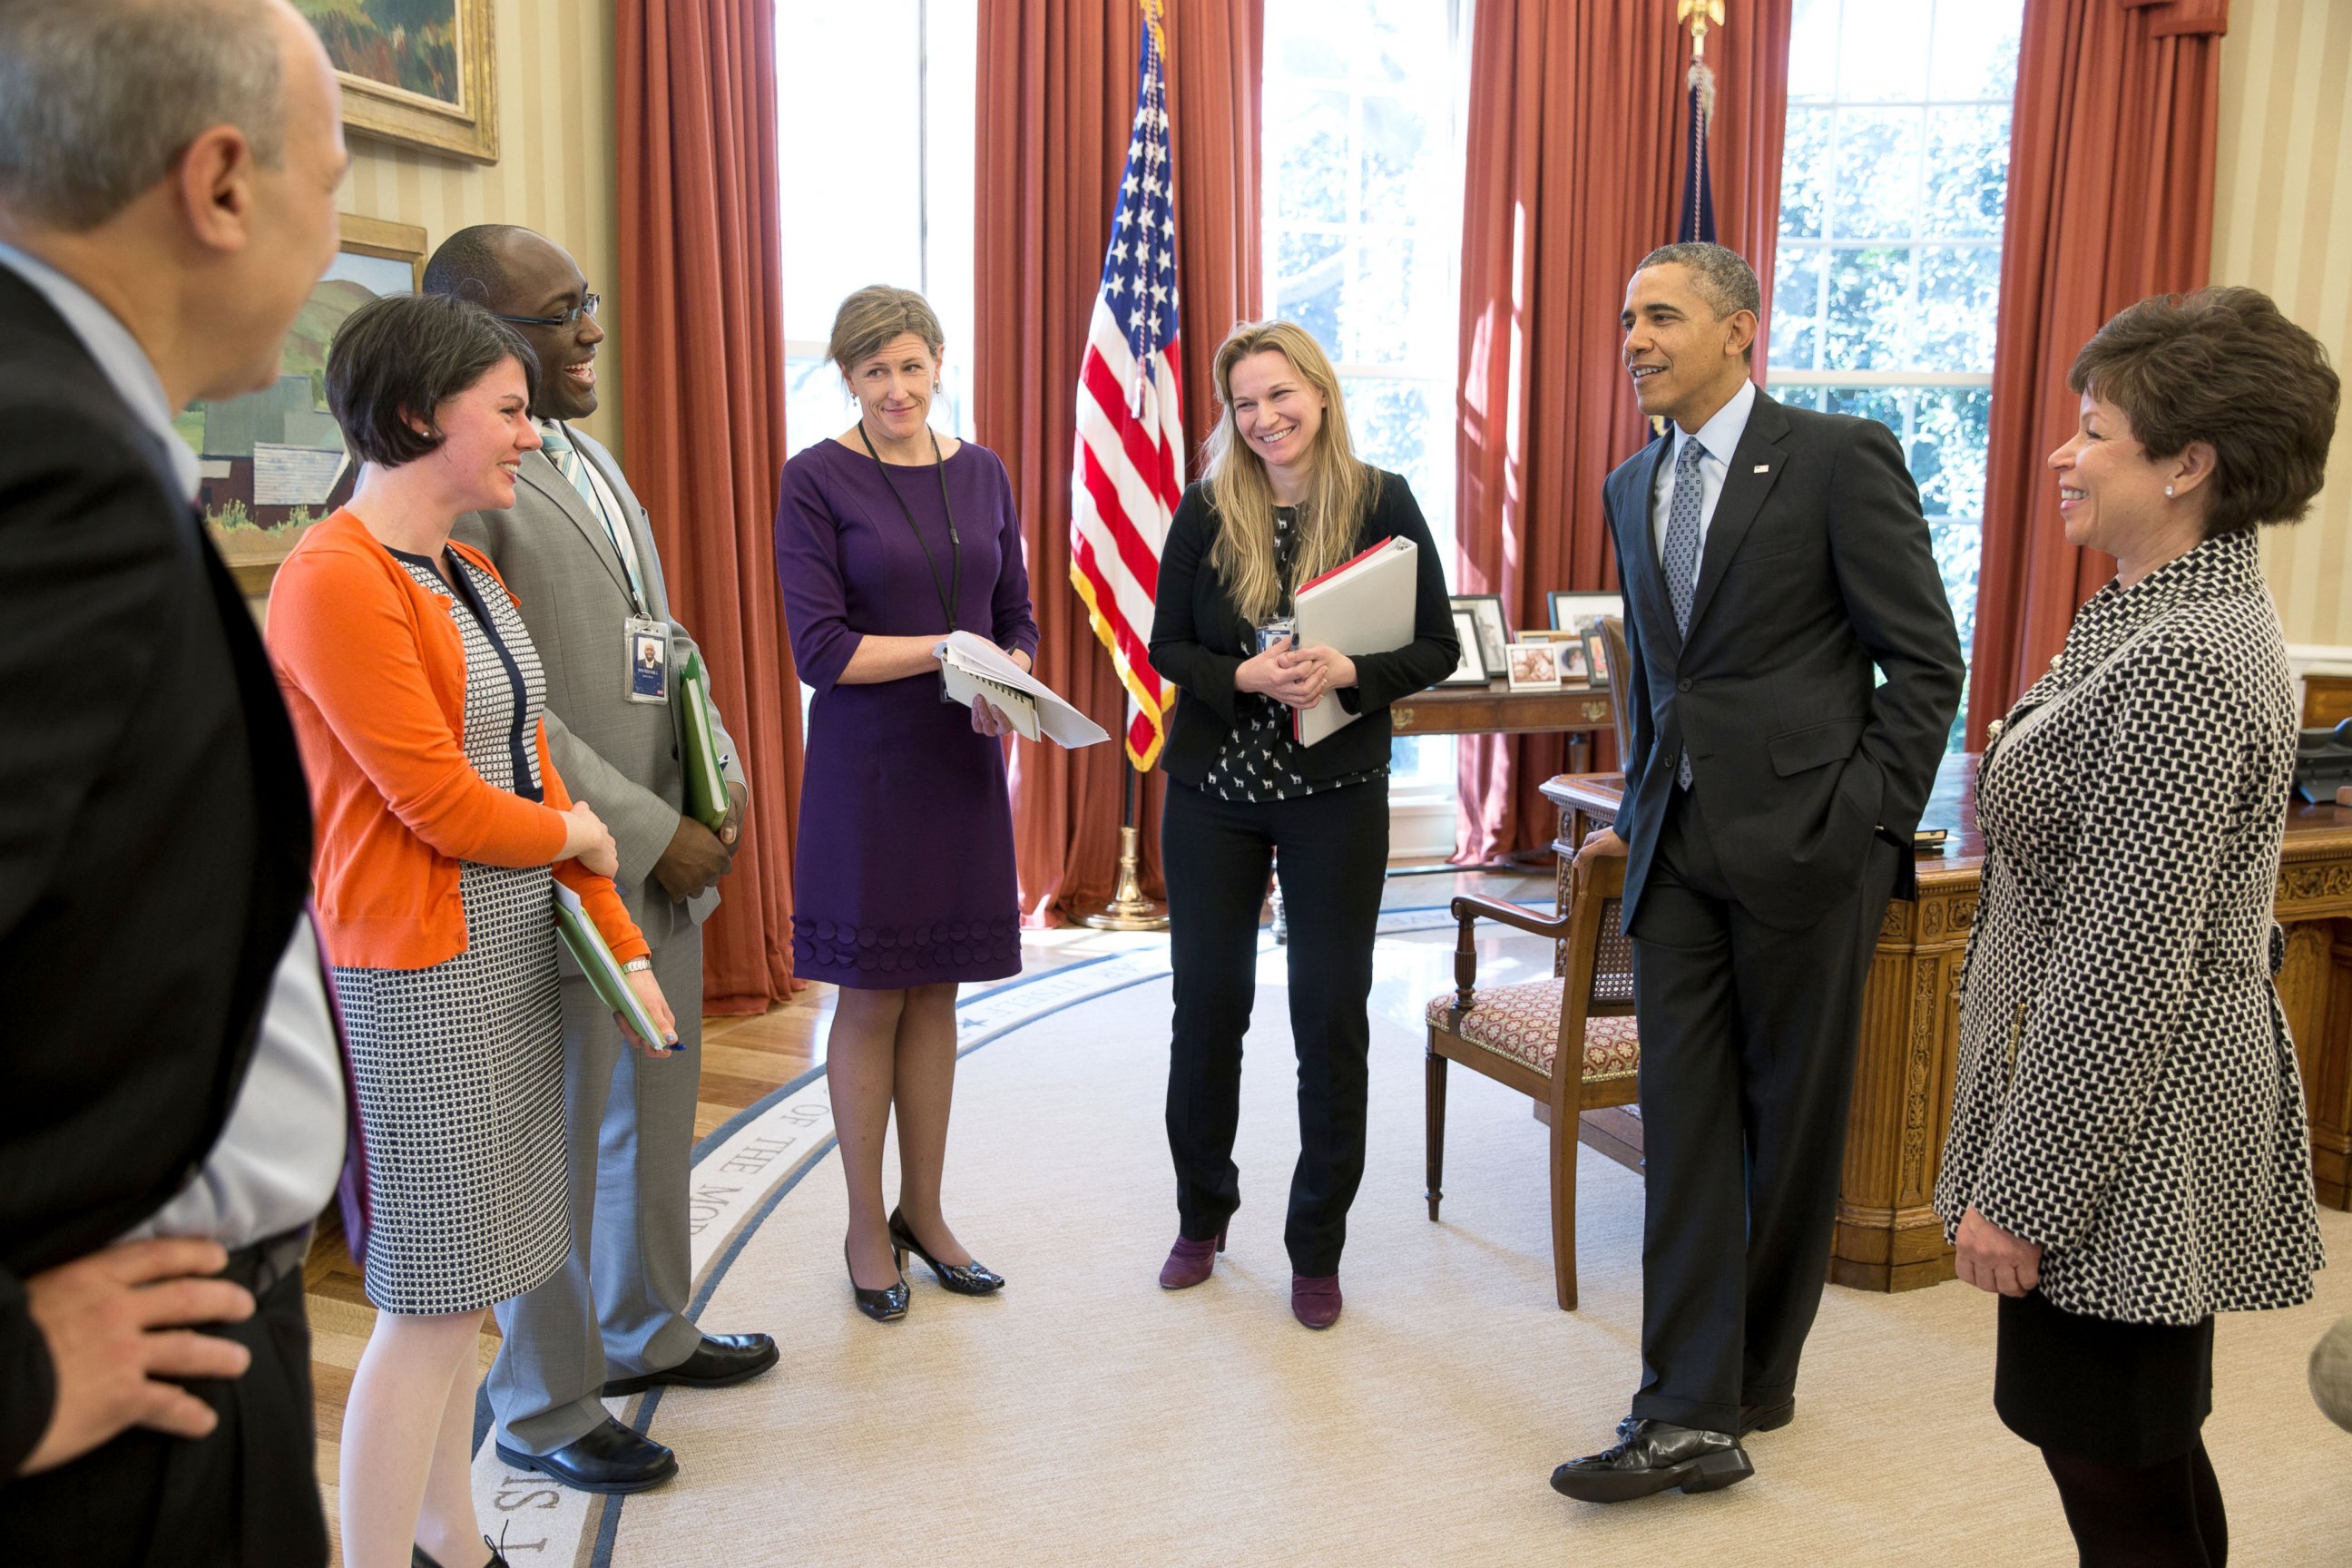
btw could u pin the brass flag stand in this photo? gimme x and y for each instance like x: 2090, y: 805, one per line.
x: 1128, y: 910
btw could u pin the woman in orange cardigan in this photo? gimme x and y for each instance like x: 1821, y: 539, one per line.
x: 416, y: 696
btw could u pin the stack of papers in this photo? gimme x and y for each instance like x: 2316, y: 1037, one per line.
x: 975, y: 667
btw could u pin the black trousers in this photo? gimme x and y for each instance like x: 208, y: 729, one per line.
x: 1332, y: 852
x: 1748, y: 1046
x: 246, y: 1496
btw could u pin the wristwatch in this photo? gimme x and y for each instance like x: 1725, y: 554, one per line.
x: 638, y: 966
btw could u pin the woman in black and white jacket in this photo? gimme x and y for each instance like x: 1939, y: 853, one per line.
x: 2128, y: 1153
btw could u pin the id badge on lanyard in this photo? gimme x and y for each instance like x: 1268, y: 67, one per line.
x: 647, y: 651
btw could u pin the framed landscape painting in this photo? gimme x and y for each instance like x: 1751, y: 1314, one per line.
x: 420, y: 72
x: 272, y: 463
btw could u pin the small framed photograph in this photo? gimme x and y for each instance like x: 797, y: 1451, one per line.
x: 1570, y: 657
x: 1494, y: 628
x: 1472, y: 670
x: 1534, y: 665
x: 1596, y: 657
x: 1572, y: 612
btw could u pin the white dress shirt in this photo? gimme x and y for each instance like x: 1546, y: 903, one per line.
x: 275, y: 1164
x: 1717, y: 440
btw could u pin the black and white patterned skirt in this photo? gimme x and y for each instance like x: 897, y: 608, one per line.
x: 458, y: 1071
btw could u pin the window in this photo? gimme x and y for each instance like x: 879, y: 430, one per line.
x: 875, y: 110
x: 1888, y: 279
x: 1364, y: 206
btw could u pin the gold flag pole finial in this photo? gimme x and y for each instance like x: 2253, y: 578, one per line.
x: 1701, y: 15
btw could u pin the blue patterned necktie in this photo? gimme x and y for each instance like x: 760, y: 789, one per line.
x: 1679, y: 558
x: 556, y: 442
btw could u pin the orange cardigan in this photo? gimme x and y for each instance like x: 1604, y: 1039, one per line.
x: 374, y: 672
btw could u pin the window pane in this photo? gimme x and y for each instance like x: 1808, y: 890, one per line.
x: 1399, y: 156
x: 1400, y: 308
x: 1975, y: 53
x: 816, y: 404
x: 1884, y: 404
x: 1883, y: 51
x: 1310, y: 281
x: 1959, y: 295
x: 1812, y: 52
x: 1311, y: 176
x: 1950, y: 427
x: 1967, y: 171
x: 1877, y: 174
x: 1805, y: 175
x: 1796, y: 307
x: 1869, y: 325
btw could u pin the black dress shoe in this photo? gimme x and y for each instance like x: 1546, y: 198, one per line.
x: 1768, y: 1417
x: 420, y: 1558
x: 718, y: 1362
x: 972, y: 1278
x: 886, y: 1305
x: 607, y: 1458
x: 1655, y: 1457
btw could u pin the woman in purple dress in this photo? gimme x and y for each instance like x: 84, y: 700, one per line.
x: 888, y: 537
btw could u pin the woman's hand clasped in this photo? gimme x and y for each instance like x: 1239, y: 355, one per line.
x: 1295, y: 677
x: 587, y: 840
x: 1989, y: 1259
x: 657, y: 1005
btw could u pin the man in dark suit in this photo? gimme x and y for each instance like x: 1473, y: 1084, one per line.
x: 175, y: 1111
x: 1773, y: 558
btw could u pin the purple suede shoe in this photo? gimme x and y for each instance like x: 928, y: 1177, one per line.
x: 1190, y: 1262
x: 1315, y: 1301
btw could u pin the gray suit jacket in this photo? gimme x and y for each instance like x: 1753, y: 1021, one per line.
x: 621, y: 757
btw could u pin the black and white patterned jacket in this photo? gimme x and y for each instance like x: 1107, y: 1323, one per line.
x: 2127, y: 1094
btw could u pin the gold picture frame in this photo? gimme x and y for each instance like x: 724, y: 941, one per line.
x: 450, y: 103
x: 256, y: 528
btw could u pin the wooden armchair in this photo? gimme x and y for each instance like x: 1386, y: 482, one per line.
x: 1568, y: 1043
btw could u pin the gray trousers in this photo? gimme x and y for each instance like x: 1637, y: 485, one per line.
x: 617, y: 1307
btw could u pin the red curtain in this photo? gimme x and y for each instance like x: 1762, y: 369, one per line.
x: 701, y: 311
x: 1576, y: 155
x: 1053, y: 135
x: 2110, y: 200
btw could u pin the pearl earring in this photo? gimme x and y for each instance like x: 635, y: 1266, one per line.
x: 2168, y: 490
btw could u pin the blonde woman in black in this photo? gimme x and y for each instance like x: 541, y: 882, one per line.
x: 1286, y: 499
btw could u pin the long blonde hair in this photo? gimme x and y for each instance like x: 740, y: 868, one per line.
x: 1340, y: 487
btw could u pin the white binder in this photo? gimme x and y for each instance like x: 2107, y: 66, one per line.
x: 1364, y: 605
x: 973, y: 666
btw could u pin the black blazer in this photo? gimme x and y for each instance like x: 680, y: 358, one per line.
x: 154, y: 830
x: 1199, y: 637
x: 1816, y: 567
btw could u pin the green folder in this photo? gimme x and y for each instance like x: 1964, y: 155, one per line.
x: 706, y: 800
x: 596, y: 961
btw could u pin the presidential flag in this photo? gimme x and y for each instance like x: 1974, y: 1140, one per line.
x: 1127, y: 472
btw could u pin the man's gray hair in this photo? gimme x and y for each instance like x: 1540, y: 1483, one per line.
x: 1721, y: 275
x: 98, y: 98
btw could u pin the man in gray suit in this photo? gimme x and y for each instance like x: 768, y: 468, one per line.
x: 578, y: 551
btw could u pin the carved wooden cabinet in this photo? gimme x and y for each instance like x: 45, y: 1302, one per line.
x: 1889, y: 1239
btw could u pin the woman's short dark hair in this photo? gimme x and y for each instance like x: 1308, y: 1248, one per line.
x: 399, y: 356
x: 2222, y: 366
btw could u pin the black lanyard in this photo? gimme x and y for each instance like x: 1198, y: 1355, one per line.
x: 949, y: 596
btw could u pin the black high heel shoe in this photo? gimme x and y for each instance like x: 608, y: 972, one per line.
x: 973, y: 1279
x: 889, y: 1304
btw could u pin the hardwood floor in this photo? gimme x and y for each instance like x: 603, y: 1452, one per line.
x: 743, y: 1060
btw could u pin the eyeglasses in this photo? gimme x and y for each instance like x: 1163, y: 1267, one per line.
x: 587, y: 306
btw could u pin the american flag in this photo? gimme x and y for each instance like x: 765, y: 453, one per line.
x: 1126, y: 474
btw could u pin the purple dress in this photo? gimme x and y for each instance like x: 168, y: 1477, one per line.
x: 903, y: 871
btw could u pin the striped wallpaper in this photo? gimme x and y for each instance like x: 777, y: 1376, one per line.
x: 557, y: 170
x: 2282, y: 223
